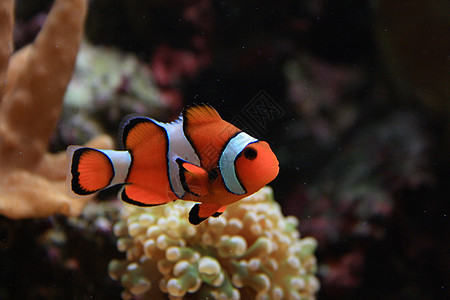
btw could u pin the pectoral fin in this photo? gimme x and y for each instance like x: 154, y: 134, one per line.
x: 194, y: 179
x: 201, y: 212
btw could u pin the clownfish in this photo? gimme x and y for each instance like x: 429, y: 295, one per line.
x: 198, y: 157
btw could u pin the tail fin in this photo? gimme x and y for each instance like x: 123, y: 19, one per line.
x: 89, y: 170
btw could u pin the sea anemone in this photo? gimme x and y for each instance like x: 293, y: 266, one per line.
x: 250, y: 252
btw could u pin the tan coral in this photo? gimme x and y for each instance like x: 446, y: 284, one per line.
x: 32, y: 85
x: 250, y: 252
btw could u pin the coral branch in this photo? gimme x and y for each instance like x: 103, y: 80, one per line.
x: 6, y: 25
x: 42, y: 77
x: 25, y: 194
x: 31, y: 179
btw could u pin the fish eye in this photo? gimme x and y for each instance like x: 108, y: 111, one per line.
x: 250, y: 153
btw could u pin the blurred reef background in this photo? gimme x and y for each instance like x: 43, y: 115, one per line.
x: 353, y: 97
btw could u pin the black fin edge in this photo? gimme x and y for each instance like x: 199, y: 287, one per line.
x: 195, y: 105
x: 125, y: 198
x: 193, y: 215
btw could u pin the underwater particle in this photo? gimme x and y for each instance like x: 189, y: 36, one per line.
x: 222, y: 258
x: 6, y: 233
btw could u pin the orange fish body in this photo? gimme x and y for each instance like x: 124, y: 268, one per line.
x: 199, y: 157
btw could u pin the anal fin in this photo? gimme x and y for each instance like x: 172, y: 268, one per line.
x: 136, y: 195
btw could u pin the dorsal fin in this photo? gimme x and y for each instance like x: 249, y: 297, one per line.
x: 201, y: 113
x: 136, y: 130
